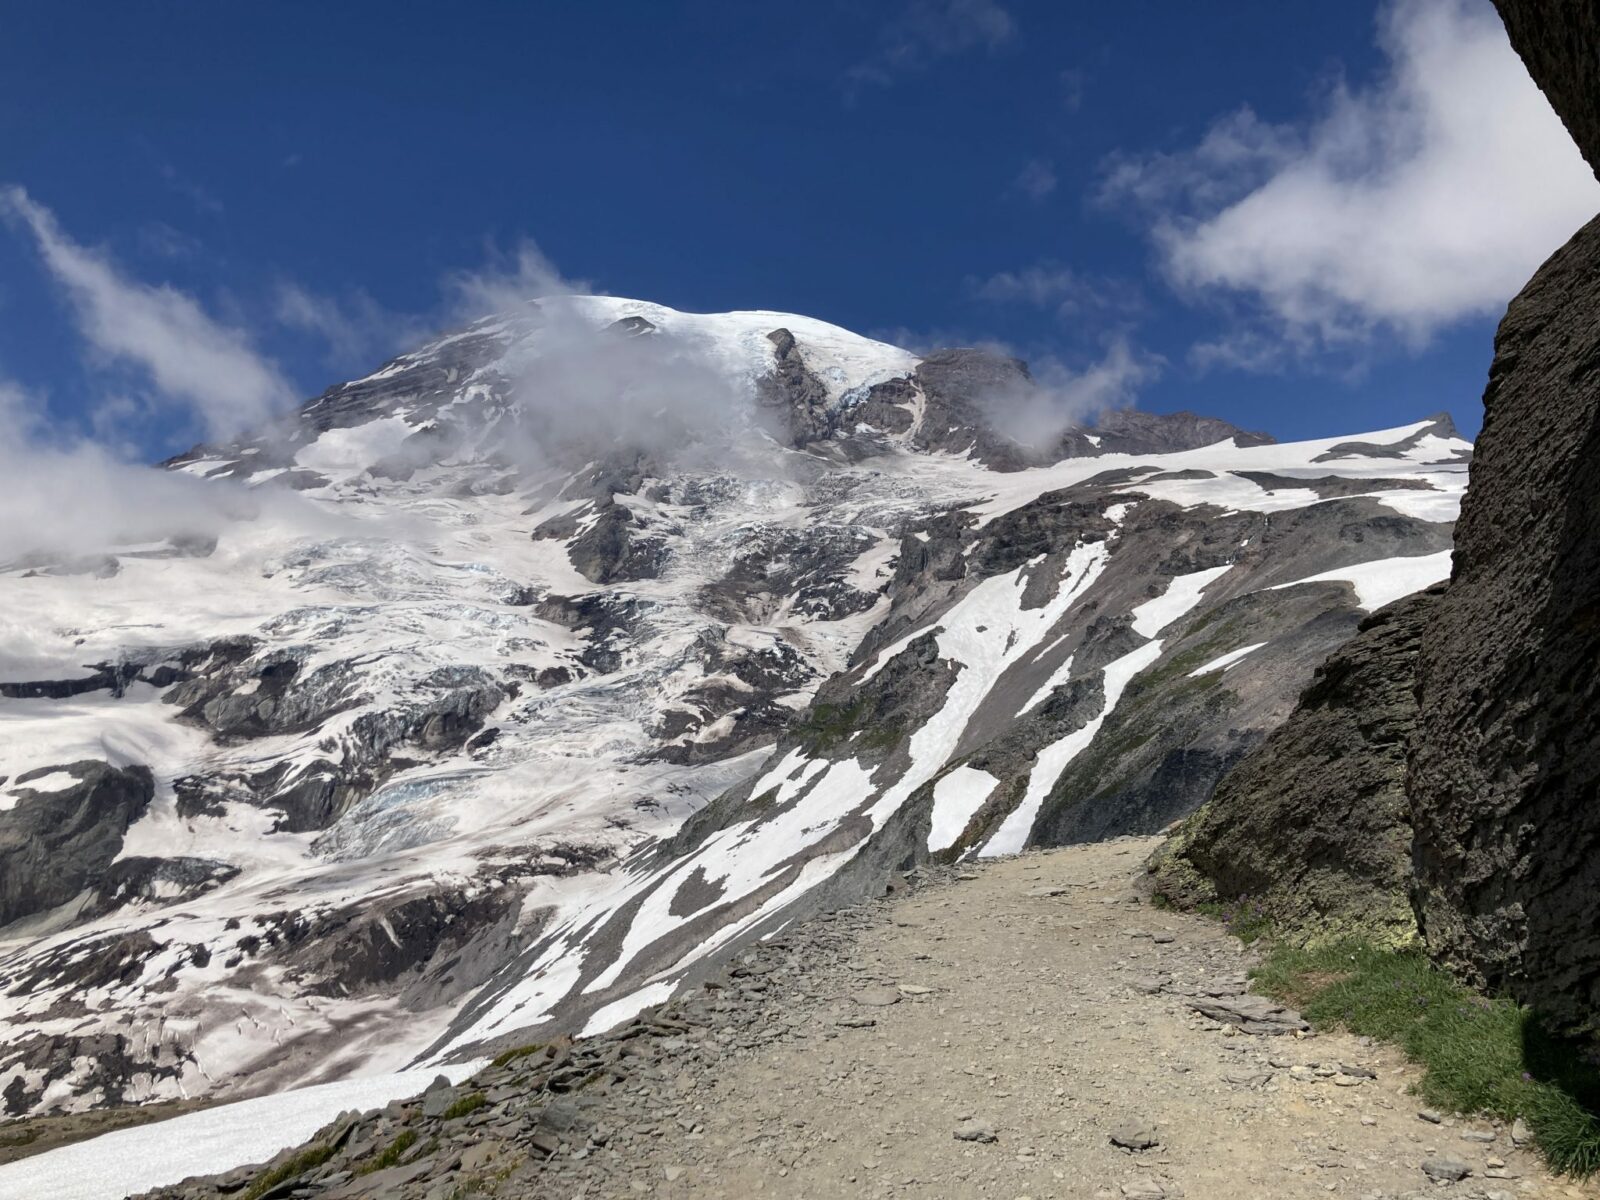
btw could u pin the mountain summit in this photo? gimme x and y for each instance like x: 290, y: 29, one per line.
x: 513, y: 685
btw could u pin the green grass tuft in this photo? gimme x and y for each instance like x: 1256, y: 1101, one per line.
x: 1478, y: 1055
x: 390, y: 1154
x: 470, y: 1103
x: 1246, y: 919
x: 308, y: 1159
x: 507, y: 1057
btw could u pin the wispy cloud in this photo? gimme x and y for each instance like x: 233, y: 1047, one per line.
x: 1066, y: 395
x: 506, y: 281
x: 196, y: 194
x: 1036, y: 180
x: 1401, y: 207
x: 1052, y: 285
x: 355, y: 329
x: 190, y: 357
x: 68, y: 497
x: 928, y: 31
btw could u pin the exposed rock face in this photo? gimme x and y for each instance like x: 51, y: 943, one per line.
x: 1559, y: 40
x: 1505, y: 782
x: 1506, y: 778
x: 58, y: 841
x: 1314, y: 826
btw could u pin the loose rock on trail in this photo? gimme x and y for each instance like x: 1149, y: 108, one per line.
x: 1026, y: 1029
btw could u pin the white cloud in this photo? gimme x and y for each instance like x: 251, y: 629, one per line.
x: 358, y: 331
x: 1063, y: 396
x: 930, y: 30
x: 68, y: 497
x: 1051, y: 285
x: 191, y: 358
x: 507, y: 281
x: 1427, y: 197
x: 1036, y: 180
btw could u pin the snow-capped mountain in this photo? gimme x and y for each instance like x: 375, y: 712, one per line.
x: 507, y: 687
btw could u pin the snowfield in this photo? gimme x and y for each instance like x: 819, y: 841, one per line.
x: 448, y: 696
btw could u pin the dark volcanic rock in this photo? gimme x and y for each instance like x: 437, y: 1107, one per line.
x: 1505, y: 784
x: 1559, y: 40
x: 1313, y: 826
x: 1129, y: 431
x: 796, y: 399
x: 1505, y: 781
x: 614, y: 550
x: 57, y: 843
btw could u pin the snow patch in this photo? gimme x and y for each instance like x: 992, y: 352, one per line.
x: 956, y: 797
x: 1385, y: 580
x: 1223, y: 662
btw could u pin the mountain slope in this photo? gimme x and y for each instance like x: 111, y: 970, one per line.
x: 511, y: 685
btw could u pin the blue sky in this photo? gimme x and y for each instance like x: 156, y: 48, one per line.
x: 1302, y: 218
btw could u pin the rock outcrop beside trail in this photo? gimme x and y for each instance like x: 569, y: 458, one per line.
x: 1314, y: 828
x: 1503, y: 774
x: 1505, y: 782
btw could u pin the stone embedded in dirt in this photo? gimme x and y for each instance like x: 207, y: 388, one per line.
x: 1448, y: 1170
x: 912, y: 989
x: 1144, y: 1189
x: 1478, y: 1135
x: 1521, y: 1135
x: 560, y: 1116
x: 1149, y: 984
x: 856, y: 1022
x: 877, y: 997
x: 672, y: 1174
x: 1250, y: 1079
x: 1431, y: 1117
x: 1163, y: 939
x: 1357, y: 1072
x: 973, y: 1131
x: 1253, y: 1014
x: 1135, y: 1135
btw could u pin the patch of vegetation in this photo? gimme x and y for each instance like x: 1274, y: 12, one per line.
x: 1245, y: 918
x: 390, y: 1154
x: 308, y: 1159
x: 1478, y: 1054
x: 826, y: 725
x: 470, y: 1103
x: 507, y: 1057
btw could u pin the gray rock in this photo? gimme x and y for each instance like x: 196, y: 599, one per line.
x: 1507, y: 761
x: 1135, y: 1135
x: 876, y: 997
x: 1253, y: 1014
x: 973, y: 1131
x: 1143, y: 1189
x: 1430, y: 1116
x: 1521, y: 1135
x: 59, y: 842
x: 1448, y: 1170
x: 438, y: 1099
x: 1314, y: 826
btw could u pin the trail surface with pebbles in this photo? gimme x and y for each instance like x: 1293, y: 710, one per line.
x: 1026, y: 1028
